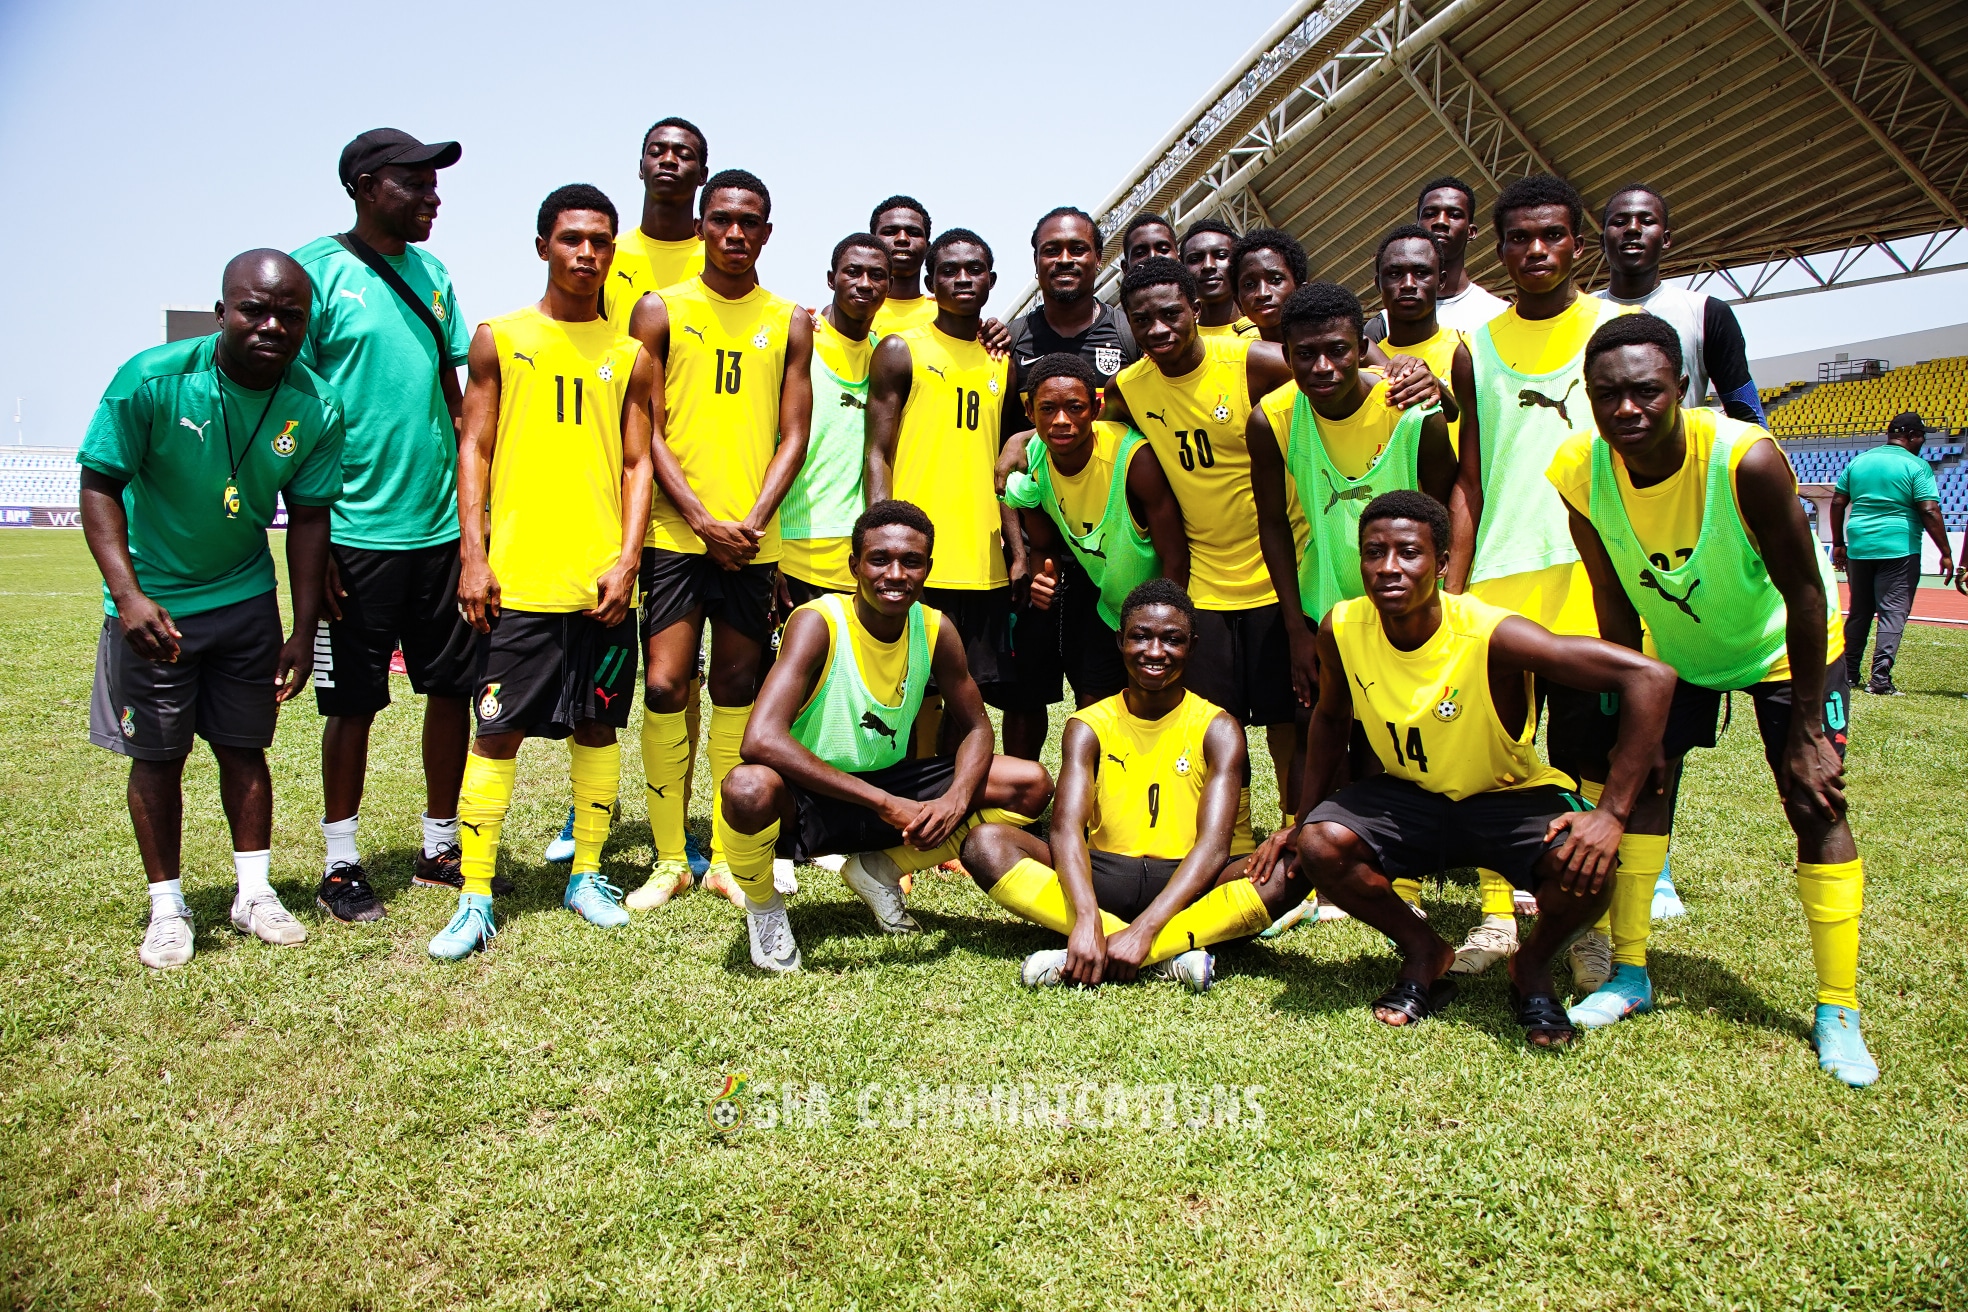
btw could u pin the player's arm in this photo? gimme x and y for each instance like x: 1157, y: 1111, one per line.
x: 1153, y: 502
x: 1274, y: 539
x: 1766, y: 493
x: 1265, y: 371
x: 1409, y: 380
x: 1072, y: 804
x: 1114, y: 406
x: 1725, y: 354
x: 1327, y: 738
x: 478, y: 589
x: 615, y: 590
x: 1645, y: 688
x: 726, y: 541
x: 1046, y: 549
x: 1466, y: 499
x: 795, y: 423
x: 147, y: 626
x: 1618, y: 621
x: 307, y: 556
x: 1925, y: 494
x: 1435, y: 463
x: 888, y: 391
x: 964, y: 707
x: 1011, y: 458
x: 1841, y: 502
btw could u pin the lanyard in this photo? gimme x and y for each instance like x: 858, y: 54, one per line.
x: 231, y: 501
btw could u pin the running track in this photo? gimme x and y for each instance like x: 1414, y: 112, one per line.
x: 1930, y: 605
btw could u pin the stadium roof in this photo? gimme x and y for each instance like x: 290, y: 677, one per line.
x: 1793, y: 141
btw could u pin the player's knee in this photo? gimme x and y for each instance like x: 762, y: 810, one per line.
x: 1322, y: 852
x: 1031, y: 786
x: 988, y: 852
x: 750, y: 797
x: 1806, y: 821
x: 665, y: 696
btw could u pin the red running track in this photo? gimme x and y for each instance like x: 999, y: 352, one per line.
x: 1930, y: 605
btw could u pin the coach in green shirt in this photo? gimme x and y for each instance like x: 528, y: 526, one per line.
x: 182, y: 467
x: 1878, y: 506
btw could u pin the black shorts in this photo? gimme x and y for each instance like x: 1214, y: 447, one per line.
x: 827, y: 824
x: 674, y: 583
x: 1124, y: 885
x: 542, y: 674
x: 220, y: 688
x: 1090, y: 652
x: 1241, y: 660
x: 1415, y: 833
x: 983, y: 620
x: 801, y: 592
x: 395, y: 598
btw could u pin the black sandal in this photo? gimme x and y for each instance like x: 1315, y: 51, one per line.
x: 1540, y: 1013
x: 1415, y: 1001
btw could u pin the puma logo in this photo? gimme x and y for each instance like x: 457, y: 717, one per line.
x: 600, y: 806
x: 196, y: 428
x: 1150, y: 414
x: 1364, y: 686
x: 938, y: 372
x: 1530, y: 396
x: 1093, y: 551
x: 356, y: 296
x: 1648, y: 580
x: 1117, y: 760
x: 527, y: 358
x: 628, y: 278
x: 664, y: 791
x: 1360, y: 492
x: 699, y: 331
x: 873, y: 724
x: 607, y: 698
x: 852, y: 402
x: 469, y: 825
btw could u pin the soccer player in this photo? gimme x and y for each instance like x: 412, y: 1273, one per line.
x: 821, y: 505
x: 1522, y: 396
x: 557, y: 443
x: 1209, y: 249
x: 1635, y: 234
x: 1096, y: 491
x: 1442, y: 685
x: 1408, y: 274
x: 903, y: 226
x: 825, y: 766
x: 1689, y: 523
x: 1146, y: 235
x: 734, y: 363
x: 933, y: 434
x: 665, y: 248
x: 391, y: 348
x: 181, y: 466
x: 1148, y: 860
x: 1446, y: 207
x: 1269, y: 266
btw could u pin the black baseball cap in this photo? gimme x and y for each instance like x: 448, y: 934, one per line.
x: 1908, y: 422
x: 380, y: 146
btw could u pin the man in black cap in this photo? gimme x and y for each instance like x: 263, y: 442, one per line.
x: 386, y: 333
x: 1878, y: 506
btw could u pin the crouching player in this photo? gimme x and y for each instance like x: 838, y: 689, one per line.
x: 1151, y: 831
x: 824, y: 768
x: 1442, y: 685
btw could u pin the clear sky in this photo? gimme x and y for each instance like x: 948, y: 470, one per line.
x: 144, y: 144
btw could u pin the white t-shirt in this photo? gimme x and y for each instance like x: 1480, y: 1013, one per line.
x: 1466, y: 311
x: 1687, y: 311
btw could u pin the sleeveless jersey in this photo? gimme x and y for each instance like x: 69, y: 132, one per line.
x: 1238, y: 327
x: 1438, y: 353
x: 1148, y: 781
x: 1428, y: 712
x: 643, y: 264
x: 721, y: 390
x: 1195, y: 423
x: 896, y: 316
x: 1090, y: 510
x: 825, y: 498
x: 556, y: 480
x: 844, y: 723
x: 946, y: 454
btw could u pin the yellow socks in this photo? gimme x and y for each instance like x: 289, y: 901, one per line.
x: 909, y: 860
x: 727, y: 736
x: 1409, y: 891
x: 1498, y: 897
x: 1282, y: 739
x: 596, y: 773
x: 1031, y: 891
x: 1833, y: 896
x: 1641, y: 857
x: 666, y: 770
x: 1232, y: 910
x: 750, y: 858
x: 693, y: 717
x: 929, y: 723
x: 483, y: 799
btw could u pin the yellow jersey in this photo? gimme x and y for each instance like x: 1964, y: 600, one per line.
x: 898, y: 315
x: 946, y: 453
x: 642, y: 264
x: 823, y: 561
x: 881, y: 665
x: 1438, y: 353
x: 1239, y: 327
x: 556, y: 479
x: 1149, y: 777
x: 721, y: 390
x: 1196, y: 425
x: 1428, y: 712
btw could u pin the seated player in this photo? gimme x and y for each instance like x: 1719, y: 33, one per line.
x: 824, y: 756
x: 1442, y: 684
x: 556, y: 441
x: 1689, y: 521
x: 1151, y: 833
x: 1095, y: 487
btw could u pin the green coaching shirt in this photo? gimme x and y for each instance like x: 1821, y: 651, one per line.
x: 160, y: 430
x: 1884, y: 484
x: 400, y: 463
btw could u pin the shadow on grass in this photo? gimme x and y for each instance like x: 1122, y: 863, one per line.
x: 1703, y: 984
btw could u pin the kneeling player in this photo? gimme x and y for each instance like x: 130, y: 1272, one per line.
x: 1151, y: 831
x: 1442, y: 684
x: 824, y: 768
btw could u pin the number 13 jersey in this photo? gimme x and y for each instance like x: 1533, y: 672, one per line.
x: 721, y: 393
x: 1148, y: 781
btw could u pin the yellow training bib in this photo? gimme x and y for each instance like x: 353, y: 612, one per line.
x: 1149, y: 782
x: 946, y: 453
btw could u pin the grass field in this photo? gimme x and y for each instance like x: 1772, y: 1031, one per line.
x: 348, y: 1125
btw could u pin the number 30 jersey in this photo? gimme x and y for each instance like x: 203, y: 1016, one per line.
x: 1196, y: 425
x: 946, y: 453
x: 1428, y: 712
x: 1148, y: 785
x: 721, y: 393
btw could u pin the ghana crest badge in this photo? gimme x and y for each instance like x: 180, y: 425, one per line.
x: 607, y: 371
x: 1448, y: 707
x: 1222, y: 412
x: 488, y: 702
x: 993, y: 384
x: 283, y: 441
x: 761, y: 339
x: 1182, y: 762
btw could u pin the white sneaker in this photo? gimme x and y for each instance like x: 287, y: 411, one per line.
x: 877, y: 880
x: 1592, y: 961
x: 833, y: 862
x: 1195, y: 970
x: 264, y: 918
x: 1493, y: 940
x: 784, y: 881
x: 167, y: 942
x: 1042, y: 969
x: 773, y: 948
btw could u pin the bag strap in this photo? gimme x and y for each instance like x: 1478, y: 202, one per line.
x: 368, y: 254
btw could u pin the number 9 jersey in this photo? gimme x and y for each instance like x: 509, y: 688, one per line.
x: 1148, y: 780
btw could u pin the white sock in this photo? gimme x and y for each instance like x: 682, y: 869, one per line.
x: 341, y: 842
x: 439, y: 835
x: 166, y: 899
x: 773, y: 903
x: 250, y: 868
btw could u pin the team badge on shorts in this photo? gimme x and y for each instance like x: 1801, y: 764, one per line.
x: 1107, y: 359
x: 606, y: 372
x: 283, y: 441
x: 760, y: 340
x: 1448, y: 708
x: 1182, y: 763
x: 1222, y: 412
x: 488, y: 702
x: 129, y: 722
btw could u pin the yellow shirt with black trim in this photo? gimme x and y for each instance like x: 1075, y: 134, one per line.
x: 946, y: 453
x: 721, y: 391
x: 643, y: 264
x: 898, y: 315
x: 1149, y: 777
x: 1438, y: 353
x: 823, y: 561
x: 556, y: 479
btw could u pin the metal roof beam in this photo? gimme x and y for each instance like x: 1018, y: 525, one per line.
x: 1926, y: 261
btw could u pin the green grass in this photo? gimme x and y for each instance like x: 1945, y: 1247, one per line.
x: 346, y: 1124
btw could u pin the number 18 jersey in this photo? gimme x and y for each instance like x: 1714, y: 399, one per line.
x: 1148, y: 781
x: 946, y: 454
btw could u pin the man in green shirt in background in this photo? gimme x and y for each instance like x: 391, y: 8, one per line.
x: 183, y: 466
x: 1878, y: 506
x: 390, y: 344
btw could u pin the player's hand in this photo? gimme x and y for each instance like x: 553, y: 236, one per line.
x: 613, y: 592
x: 1045, y: 584
x: 1086, y: 952
x: 936, y: 821
x: 478, y: 595
x: 1274, y: 860
x: 730, y: 543
x: 332, y: 590
x: 147, y: 627
x: 1304, y: 654
x: 1812, y: 776
x: 1411, y: 382
x: 995, y: 338
x: 1961, y: 578
x: 295, y: 666
x: 1126, y: 950
x: 1947, y: 570
x: 1011, y: 459
x: 1590, y: 852
x: 898, y: 813
x: 1838, y: 560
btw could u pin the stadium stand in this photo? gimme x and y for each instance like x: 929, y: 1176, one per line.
x: 42, y: 476
x: 1936, y: 389
x: 1821, y: 462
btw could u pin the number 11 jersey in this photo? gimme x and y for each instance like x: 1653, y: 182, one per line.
x: 946, y: 455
